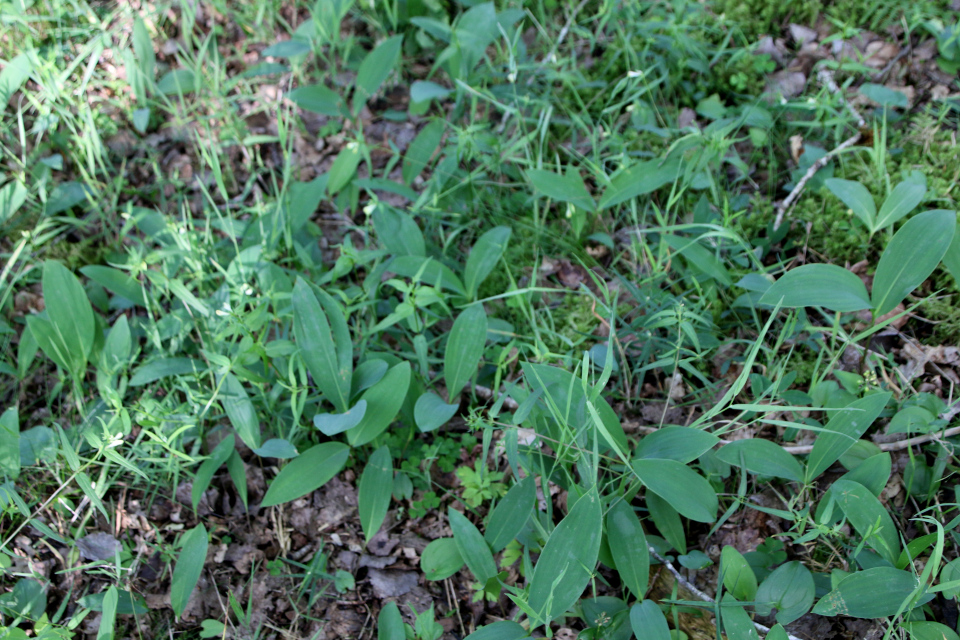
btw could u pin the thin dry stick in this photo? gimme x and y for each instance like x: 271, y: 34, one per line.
x: 689, y: 586
x: 825, y: 76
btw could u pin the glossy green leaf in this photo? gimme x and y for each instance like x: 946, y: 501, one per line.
x: 307, y: 472
x: 484, y: 256
x: 818, y: 285
x: 511, y: 514
x: 628, y: 545
x: 431, y: 412
x: 441, y: 559
x: 856, y: 197
x: 500, y: 630
x: 864, y: 512
x: 186, y: 573
x: 902, y: 200
x: 874, y: 593
x: 209, y: 466
x: 420, y: 151
x: 762, y: 457
x: 777, y: 632
x: 568, y: 559
x: 10, y: 443
x: 373, y: 496
x: 330, y: 364
x: 567, y: 187
x: 473, y: 548
x: 390, y: 624
x: 240, y: 410
x: 738, y: 576
x: 375, y: 69
x: 912, y: 255
x: 464, y: 348
x: 367, y: 374
x: 330, y: 424
x: 686, y: 490
x: 926, y: 630
x: 317, y: 99
x: 648, y: 621
x: 789, y: 589
x: 683, y: 444
x: 668, y: 521
x: 384, y: 400
x: 844, y: 428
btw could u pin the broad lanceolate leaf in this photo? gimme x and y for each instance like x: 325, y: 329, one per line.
x: 683, y: 444
x: 308, y: 471
x: 384, y: 400
x: 398, y: 232
x: 844, y: 428
x: 330, y: 424
x: 421, y: 150
x: 464, y: 348
x: 473, y: 548
x: 373, y: 496
x: 330, y: 363
x: 819, y: 285
x: 700, y: 257
x: 873, y: 593
x: 70, y: 316
x: 567, y: 187
x: 484, y: 255
x: 10, y: 443
x: 762, y: 457
x: 912, y: 255
x: 374, y: 69
x: 855, y: 195
x: 318, y: 99
x: 441, y: 559
x: 648, y: 621
x: 193, y: 553
x: 240, y: 410
x: 738, y: 576
x: 865, y: 512
x: 568, y: 559
x: 640, y: 179
x: 902, y: 200
x: 117, y: 281
x: 736, y: 621
x: 431, y: 412
x: 343, y: 168
x: 205, y: 473
x: 667, y: 520
x: 502, y: 630
x: 789, y: 589
x: 686, y: 490
x: 390, y: 623
x: 511, y: 514
x: 628, y: 545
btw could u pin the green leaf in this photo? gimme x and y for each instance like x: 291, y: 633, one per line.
x: 70, y: 316
x: 28, y: 599
x: 884, y: 96
x: 441, y: 559
x: 789, y: 589
x: 177, y: 82
x: 420, y: 151
x: 330, y: 364
x: 117, y: 281
x: 628, y: 545
x: 842, y: 431
x: 640, y: 179
x: 686, y: 490
x: 511, y: 514
x: 10, y: 443
x: 484, y: 256
x: 856, y: 197
x: 330, y: 424
x: 344, y: 167
x: 473, y: 548
x: 682, y: 444
x: 818, y: 285
x: 286, y: 49
x: 373, y: 496
x: 205, y: 473
x: 777, y: 632
x: 736, y: 621
x: 374, y: 70
x: 12, y: 195
x: 762, y: 457
x: 912, y: 255
x: 648, y: 621
x: 864, y: 512
x: 240, y: 410
x: 193, y: 553
x: 431, y: 412
x: 398, y: 232
x: 874, y: 593
x: 501, y: 630
x: 127, y: 603
x: 116, y: 349
x: 316, y: 98
x: 667, y: 520
x: 951, y: 259
x: 924, y: 630
x: 14, y: 74
x: 568, y: 559
x: 164, y: 368
x: 384, y: 400
x: 431, y: 272
x: 563, y: 188
x: 738, y: 576
x: 390, y: 623
x: 307, y: 472
x: 902, y: 200
x: 422, y: 90
x: 109, y: 616
x: 700, y: 257
x: 464, y: 348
